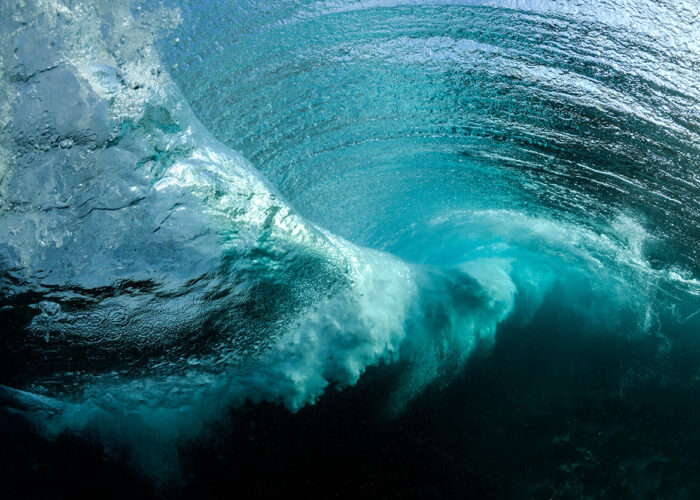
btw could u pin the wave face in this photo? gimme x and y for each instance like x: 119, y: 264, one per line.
x: 203, y: 205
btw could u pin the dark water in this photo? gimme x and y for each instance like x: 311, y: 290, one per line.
x: 350, y: 249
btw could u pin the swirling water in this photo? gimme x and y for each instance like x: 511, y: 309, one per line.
x: 479, y: 215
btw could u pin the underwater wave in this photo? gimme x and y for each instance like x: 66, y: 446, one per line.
x: 371, y: 183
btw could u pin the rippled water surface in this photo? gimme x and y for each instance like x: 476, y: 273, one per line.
x: 480, y: 220
x: 373, y: 117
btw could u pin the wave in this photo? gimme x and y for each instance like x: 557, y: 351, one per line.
x: 152, y: 277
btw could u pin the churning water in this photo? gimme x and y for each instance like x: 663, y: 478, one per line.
x: 480, y: 220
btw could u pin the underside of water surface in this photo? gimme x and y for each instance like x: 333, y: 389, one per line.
x: 364, y: 249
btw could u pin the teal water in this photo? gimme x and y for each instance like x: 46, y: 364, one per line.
x: 480, y: 220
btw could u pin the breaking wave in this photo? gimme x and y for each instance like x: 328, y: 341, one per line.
x: 370, y: 182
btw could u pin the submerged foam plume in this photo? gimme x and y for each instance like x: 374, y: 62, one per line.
x: 152, y: 278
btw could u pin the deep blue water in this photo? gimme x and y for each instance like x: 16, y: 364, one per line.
x: 350, y: 249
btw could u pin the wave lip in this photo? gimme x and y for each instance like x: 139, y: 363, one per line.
x: 131, y: 237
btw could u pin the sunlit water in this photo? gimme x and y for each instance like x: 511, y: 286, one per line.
x: 494, y: 207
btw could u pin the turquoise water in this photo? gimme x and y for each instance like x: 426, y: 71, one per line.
x: 480, y: 220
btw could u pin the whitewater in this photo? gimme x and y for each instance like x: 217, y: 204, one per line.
x: 205, y: 206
